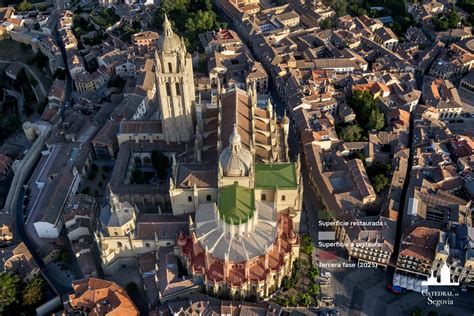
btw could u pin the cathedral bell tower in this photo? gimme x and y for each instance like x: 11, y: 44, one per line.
x: 175, y: 83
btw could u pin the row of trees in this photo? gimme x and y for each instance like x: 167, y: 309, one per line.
x: 190, y: 17
x: 15, y: 294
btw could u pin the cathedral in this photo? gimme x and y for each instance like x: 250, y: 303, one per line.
x: 231, y: 203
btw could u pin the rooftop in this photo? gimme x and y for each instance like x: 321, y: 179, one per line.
x: 236, y: 203
x: 282, y: 175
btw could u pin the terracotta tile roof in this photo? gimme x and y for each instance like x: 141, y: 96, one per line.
x: 100, y: 297
x: 420, y: 243
x: 201, y: 175
x: 141, y: 127
x: 163, y: 226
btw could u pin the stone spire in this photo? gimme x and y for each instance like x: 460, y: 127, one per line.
x: 167, y: 29
x: 235, y: 141
x: 269, y: 107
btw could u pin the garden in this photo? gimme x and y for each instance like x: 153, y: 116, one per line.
x: 105, y: 18
x: 300, y: 288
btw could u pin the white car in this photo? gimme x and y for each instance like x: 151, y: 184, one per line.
x: 326, y: 274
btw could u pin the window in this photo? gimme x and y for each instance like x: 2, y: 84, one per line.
x: 147, y: 245
x: 283, y: 198
x: 119, y: 244
x: 190, y: 198
x: 263, y: 197
x: 178, y: 91
x: 208, y: 198
x: 115, y: 233
x: 168, y: 89
x: 138, y: 161
x: 170, y: 67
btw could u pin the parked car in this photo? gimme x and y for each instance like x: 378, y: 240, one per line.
x: 394, y: 289
x: 326, y: 274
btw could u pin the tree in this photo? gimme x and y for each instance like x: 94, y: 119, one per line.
x: 308, y: 248
x: 33, y: 292
x: 305, y: 299
x: 306, y: 238
x: 357, y: 154
x: 9, y: 289
x: 313, y: 272
x: 379, y: 182
x: 340, y: 7
x: 376, y: 120
x: 351, y: 133
x: 325, y: 24
x: 24, y: 6
x: 286, y: 283
x: 292, y: 301
x: 362, y: 102
x: 314, y: 289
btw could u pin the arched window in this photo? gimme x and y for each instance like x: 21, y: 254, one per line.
x: 168, y: 89
x: 208, y: 198
x: 283, y: 198
x: 170, y: 67
x: 263, y: 197
x: 178, y: 90
x: 190, y: 198
x: 119, y: 244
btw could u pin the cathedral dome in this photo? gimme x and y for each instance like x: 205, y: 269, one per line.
x: 235, y: 160
x: 168, y: 41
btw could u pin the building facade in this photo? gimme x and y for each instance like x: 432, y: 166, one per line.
x: 175, y: 83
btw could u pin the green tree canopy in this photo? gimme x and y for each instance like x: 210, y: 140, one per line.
x: 314, y: 289
x: 379, y: 182
x: 24, y: 6
x: 313, y: 272
x: 351, y: 133
x: 325, y: 24
x: 9, y: 290
x: 33, y: 292
x: 305, y: 299
x: 376, y: 120
x: 189, y: 18
x: 340, y: 7
x: 292, y: 301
